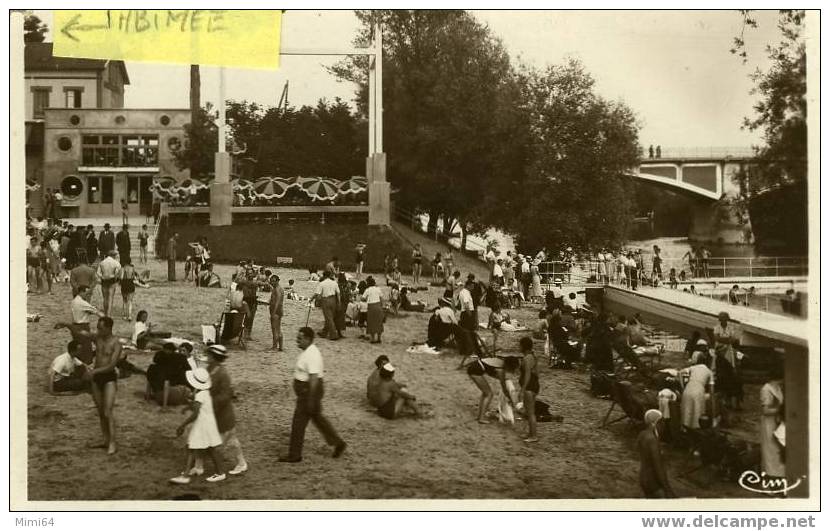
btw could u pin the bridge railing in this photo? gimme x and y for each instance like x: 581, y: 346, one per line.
x: 594, y: 271
x: 712, y: 152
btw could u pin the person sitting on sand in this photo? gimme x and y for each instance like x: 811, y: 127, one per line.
x: 373, y: 381
x: 67, y: 374
x: 166, y: 381
x: 207, y: 278
x: 407, y: 305
x: 143, y: 334
x: 442, y: 324
x: 395, y: 400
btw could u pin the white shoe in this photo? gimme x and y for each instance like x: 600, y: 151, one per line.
x: 216, y: 477
x: 195, y: 471
x: 239, y: 469
x: 180, y: 479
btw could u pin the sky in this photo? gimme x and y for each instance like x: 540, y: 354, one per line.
x: 672, y: 68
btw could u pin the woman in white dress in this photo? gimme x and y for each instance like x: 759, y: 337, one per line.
x: 536, y: 282
x: 204, y: 434
x: 693, y: 401
x: 772, y: 415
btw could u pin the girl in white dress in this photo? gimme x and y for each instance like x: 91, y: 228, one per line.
x: 204, y: 435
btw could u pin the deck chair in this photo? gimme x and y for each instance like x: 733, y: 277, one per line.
x: 634, y: 408
x: 231, y: 326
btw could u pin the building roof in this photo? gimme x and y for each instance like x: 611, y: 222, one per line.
x: 38, y: 57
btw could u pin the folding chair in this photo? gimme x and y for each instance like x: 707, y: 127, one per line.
x: 231, y: 326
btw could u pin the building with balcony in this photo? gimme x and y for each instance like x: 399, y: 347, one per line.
x: 81, y: 141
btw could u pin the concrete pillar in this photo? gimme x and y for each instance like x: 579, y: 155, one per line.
x: 379, y: 190
x: 718, y: 222
x: 221, y: 193
x: 797, y: 418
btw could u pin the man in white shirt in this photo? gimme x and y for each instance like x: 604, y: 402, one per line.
x: 308, y: 386
x: 109, y: 271
x: 328, y: 292
x: 66, y: 374
x: 498, y: 273
x: 466, y: 305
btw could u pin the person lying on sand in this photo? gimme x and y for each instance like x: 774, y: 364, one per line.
x: 395, y: 400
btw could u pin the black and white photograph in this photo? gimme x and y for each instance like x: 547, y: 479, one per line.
x: 409, y: 259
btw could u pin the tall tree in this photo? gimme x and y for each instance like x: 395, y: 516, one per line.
x: 444, y: 82
x: 201, y: 143
x: 581, y: 145
x: 34, y: 28
x: 776, y: 187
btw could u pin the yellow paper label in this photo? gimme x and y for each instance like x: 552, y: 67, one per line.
x: 234, y: 38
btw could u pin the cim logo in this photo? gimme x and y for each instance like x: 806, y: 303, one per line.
x: 763, y: 484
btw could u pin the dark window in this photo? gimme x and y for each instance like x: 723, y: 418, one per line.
x: 132, y: 189
x: 75, y: 119
x: 64, y: 143
x: 106, y: 190
x: 123, y: 151
x: 93, y: 193
x: 73, y: 98
x: 165, y: 120
x: 40, y: 99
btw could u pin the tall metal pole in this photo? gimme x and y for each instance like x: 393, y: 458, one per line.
x: 379, y: 83
x: 222, y: 121
x: 372, y: 104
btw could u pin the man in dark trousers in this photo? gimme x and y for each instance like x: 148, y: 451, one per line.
x: 106, y: 241
x: 275, y: 307
x: 308, y: 386
x: 249, y: 285
x: 122, y: 241
x: 171, y: 257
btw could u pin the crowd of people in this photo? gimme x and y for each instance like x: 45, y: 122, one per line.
x: 197, y: 379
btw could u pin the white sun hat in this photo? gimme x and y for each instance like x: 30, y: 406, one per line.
x: 198, y: 378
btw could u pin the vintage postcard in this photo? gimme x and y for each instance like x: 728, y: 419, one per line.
x: 414, y: 259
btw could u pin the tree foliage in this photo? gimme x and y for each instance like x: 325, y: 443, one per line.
x: 575, y: 192
x: 201, y: 143
x: 446, y: 82
x: 326, y: 141
x: 34, y: 29
x: 775, y: 189
x: 781, y: 110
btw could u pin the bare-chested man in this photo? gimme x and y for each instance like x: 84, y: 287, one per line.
x: 104, y: 376
x: 393, y: 399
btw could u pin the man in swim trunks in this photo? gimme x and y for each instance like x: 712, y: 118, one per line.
x: 393, y: 398
x: 104, y: 378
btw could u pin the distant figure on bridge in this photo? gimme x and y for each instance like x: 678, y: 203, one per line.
x: 651, y: 152
x: 658, y: 152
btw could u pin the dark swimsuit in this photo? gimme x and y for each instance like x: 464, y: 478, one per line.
x: 102, y: 378
x: 533, y: 384
x: 479, y: 368
x: 387, y: 410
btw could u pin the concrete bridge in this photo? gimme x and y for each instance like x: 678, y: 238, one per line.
x: 707, y: 175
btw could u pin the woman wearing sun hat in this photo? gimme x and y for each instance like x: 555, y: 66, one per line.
x: 204, y: 434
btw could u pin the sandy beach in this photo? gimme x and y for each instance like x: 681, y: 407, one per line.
x: 448, y: 456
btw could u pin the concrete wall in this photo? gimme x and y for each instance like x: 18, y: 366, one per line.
x: 309, y: 244
x: 59, y: 164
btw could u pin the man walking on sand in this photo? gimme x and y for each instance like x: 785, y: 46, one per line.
x: 308, y: 386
